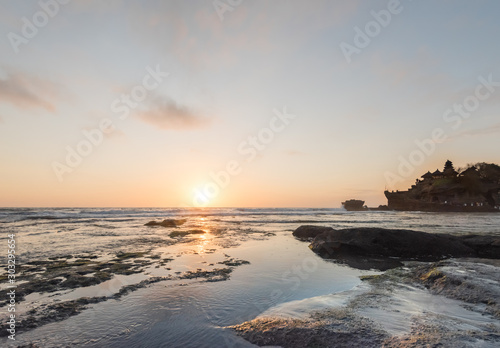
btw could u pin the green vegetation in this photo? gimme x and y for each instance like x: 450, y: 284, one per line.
x: 441, y: 182
x: 185, y: 233
x: 234, y: 262
x: 122, y: 256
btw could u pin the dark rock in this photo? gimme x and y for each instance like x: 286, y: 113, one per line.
x: 128, y: 255
x: 234, y: 262
x: 354, y: 205
x: 308, y: 232
x: 76, y: 281
x: 167, y: 223
x: 486, y: 246
x: 37, y: 317
x: 477, y: 285
x: 185, y: 233
x: 337, y: 328
x: 370, y: 263
x: 385, y: 248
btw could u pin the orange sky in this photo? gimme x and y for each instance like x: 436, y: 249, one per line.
x: 145, y: 104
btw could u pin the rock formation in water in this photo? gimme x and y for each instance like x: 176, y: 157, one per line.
x: 475, y: 188
x: 354, y: 205
x: 382, y: 248
x: 167, y: 223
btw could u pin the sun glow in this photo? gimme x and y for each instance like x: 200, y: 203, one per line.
x: 200, y: 198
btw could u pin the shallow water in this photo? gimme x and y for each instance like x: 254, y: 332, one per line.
x: 191, y: 313
x: 49, y: 232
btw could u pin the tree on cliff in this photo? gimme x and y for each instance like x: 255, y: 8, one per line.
x: 449, y: 171
x: 484, y: 174
x: 448, y: 165
x: 489, y: 172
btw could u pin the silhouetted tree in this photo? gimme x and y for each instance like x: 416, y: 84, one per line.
x: 449, y: 171
x: 489, y: 172
x: 448, y: 165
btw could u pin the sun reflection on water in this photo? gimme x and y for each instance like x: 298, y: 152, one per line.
x: 203, y: 241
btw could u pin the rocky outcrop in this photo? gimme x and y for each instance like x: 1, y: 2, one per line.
x: 381, y: 248
x: 394, y: 310
x: 336, y: 328
x: 464, y: 280
x: 308, y: 232
x: 185, y: 233
x: 485, y: 246
x: 167, y: 223
x: 354, y: 205
x: 475, y: 189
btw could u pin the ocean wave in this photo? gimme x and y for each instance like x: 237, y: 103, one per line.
x: 104, y: 226
x: 39, y: 233
x: 47, y: 217
x: 20, y: 214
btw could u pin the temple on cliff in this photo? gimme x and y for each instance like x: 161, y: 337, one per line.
x: 476, y: 188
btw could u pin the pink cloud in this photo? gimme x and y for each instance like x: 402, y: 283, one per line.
x: 28, y: 92
x: 165, y: 113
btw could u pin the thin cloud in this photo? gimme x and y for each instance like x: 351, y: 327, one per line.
x: 165, y: 113
x: 195, y: 35
x: 27, y: 92
x: 294, y: 153
x: 116, y: 133
x: 493, y: 129
x: 358, y: 190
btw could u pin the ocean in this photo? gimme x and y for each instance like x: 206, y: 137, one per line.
x: 194, y: 311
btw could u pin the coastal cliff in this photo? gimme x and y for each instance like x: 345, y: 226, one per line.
x: 476, y: 188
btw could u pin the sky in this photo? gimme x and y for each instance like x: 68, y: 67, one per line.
x: 240, y: 103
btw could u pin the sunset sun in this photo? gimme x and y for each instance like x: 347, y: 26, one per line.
x: 230, y: 173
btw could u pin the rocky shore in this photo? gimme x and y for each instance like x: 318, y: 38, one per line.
x: 436, y: 291
x: 48, y: 289
x: 451, y: 303
x: 475, y: 188
x: 379, y: 248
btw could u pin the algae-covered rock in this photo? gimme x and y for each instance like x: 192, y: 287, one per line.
x: 167, y: 223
